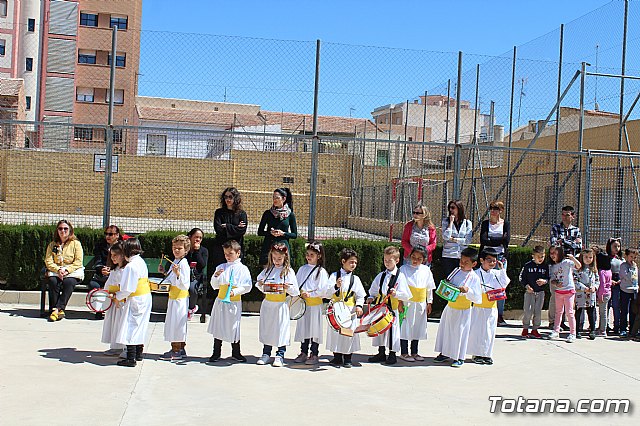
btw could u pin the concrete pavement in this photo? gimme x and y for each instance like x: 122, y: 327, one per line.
x: 55, y: 374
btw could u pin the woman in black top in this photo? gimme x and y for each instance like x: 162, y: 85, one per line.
x: 230, y: 223
x: 197, y: 257
x: 278, y: 224
x: 100, y: 259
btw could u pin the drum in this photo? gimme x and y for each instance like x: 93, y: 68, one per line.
x: 447, y: 291
x: 297, y: 307
x: 340, y: 318
x: 99, y: 300
x: 381, y: 319
x: 158, y: 285
x: 273, y: 287
x: 496, y: 294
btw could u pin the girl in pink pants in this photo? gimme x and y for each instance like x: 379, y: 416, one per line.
x: 561, y: 272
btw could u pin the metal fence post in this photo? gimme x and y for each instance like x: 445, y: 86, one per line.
x: 457, y: 148
x: 106, y: 213
x: 554, y: 203
x: 513, y: 86
x: 583, y: 74
x: 587, y: 202
x: 620, y: 172
x: 315, y: 144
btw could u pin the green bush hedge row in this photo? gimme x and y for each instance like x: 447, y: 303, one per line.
x: 22, y: 249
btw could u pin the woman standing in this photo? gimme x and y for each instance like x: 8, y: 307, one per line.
x: 419, y: 233
x: 63, y: 261
x: 278, y: 224
x: 495, y: 232
x: 456, y: 233
x: 229, y: 222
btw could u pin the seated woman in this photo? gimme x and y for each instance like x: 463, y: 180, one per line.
x: 63, y: 261
x: 112, y: 234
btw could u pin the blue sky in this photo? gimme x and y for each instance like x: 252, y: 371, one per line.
x: 263, y: 52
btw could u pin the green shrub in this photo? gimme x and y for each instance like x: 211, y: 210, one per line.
x: 22, y: 249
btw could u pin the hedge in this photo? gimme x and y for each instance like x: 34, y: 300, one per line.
x: 22, y: 249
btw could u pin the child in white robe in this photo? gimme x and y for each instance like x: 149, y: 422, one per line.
x: 112, y: 320
x: 175, y: 325
x: 274, y: 328
x: 391, y: 285
x: 421, y: 284
x: 134, y: 298
x: 313, y: 282
x: 232, y: 278
x: 484, y: 315
x: 455, y: 322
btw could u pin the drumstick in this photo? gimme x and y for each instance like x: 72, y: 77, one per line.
x: 169, y: 260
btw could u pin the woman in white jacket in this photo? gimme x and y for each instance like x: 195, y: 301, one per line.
x: 456, y: 233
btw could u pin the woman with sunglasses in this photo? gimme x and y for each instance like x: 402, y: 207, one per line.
x: 229, y: 222
x: 101, y: 272
x: 456, y: 233
x: 495, y: 232
x: 63, y: 261
x: 278, y: 224
x: 419, y: 233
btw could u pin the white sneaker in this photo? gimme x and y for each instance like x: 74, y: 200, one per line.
x: 277, y: 361
x: 554, y: 335
x: 264, y: 359
x: 571, y: 338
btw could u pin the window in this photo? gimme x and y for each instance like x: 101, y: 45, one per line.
x: 2, y: 42
x: 3, y: 8
x: 121, y: 59
x: 31, y: 25
x: 217, y: 147
x: 118, y: 99
x: 28, y: 66
x: 117, y: 136
x: 84, y: 94
x: 382, y: 157
x: 83, y: 133
x: 88, y: 19
x: 28, y: 103
x: 270, y: 145
x: 118, y: 21
x: 287, y: 179
x: 86, y: 56
x: 156, y: 144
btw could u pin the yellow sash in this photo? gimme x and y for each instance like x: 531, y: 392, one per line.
x: 113, y: 288
x: 275, y: 297
x: 486, y: 303
x: 461, y: 303
x: 418, y: 294
x: 176, y: 293
x: 142, y: 289
x: 349, y: 302
x: 313, y: 301
x: 223, y: 292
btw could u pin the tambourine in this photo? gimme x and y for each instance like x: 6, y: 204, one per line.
x: 99, y: 300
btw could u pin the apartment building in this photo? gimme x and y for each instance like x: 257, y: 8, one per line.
x: 62, y: 51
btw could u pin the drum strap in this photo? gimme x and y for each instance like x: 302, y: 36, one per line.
x: 348, y: 295
x: 392, y: 285
x: 305, y: 280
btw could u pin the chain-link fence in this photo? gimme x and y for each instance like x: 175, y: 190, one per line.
x: 395, y: 127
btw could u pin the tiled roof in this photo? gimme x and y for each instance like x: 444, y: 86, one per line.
x: 10, y: 86
x: 326, y: 124
x: 213, y: 118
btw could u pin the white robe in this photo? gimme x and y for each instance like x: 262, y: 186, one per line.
x: 175, y: 323
x: 275, y: 323
x: 113, y: 317
x: 391, y: 337
x: 485, y: 320
x: 310, y: 325
x: 414, y: 326
x: 136, y: 310
x: 453, y: 331
x: 225, y: 317
x: 335, y: 341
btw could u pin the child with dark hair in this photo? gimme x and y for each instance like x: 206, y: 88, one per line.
x: 628, y: 289
x: 533, y: 277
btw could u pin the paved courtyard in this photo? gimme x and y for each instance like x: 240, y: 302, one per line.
x: 55, y: 374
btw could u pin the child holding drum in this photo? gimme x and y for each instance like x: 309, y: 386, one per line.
x: 484, y: 315
x: 389, y: 287
x: 276, y: 281
x: 231, y: 279
x: 348, y: 291
x: 175, y: 325
x: 116, y: 262
x: 313, y: 285
x: 135, y: 297
x: 421, y: 284
x: 455, y: 322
